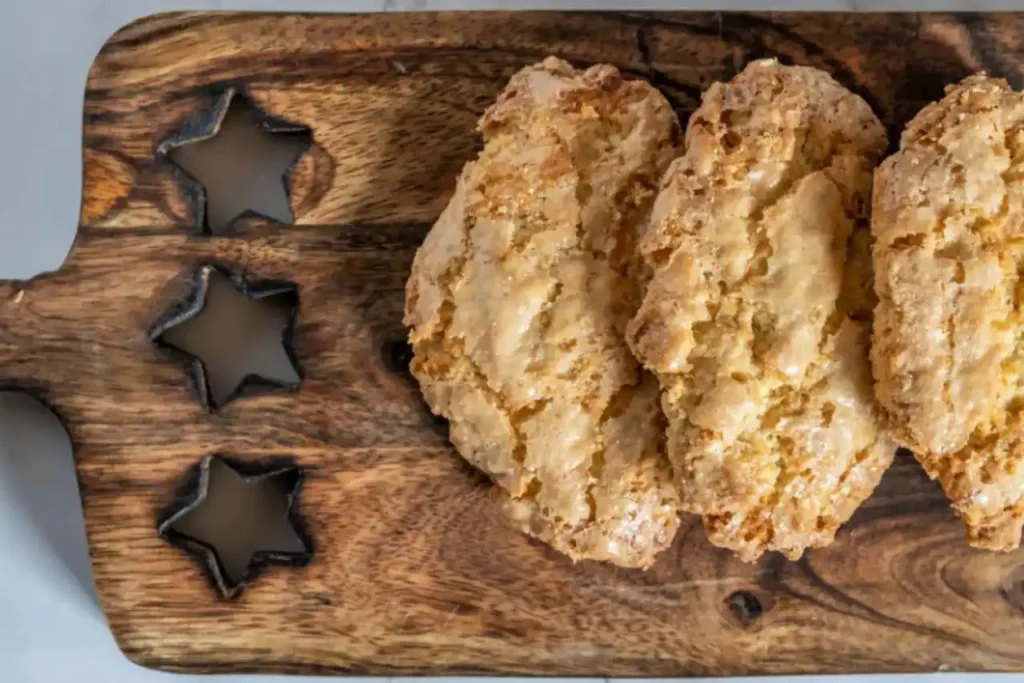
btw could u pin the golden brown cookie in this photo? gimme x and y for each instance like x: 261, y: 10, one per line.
x: 518, y: 304
x: 949, y: 340
x: 749, y: 321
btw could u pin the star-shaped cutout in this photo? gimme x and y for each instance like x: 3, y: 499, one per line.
x: 234, y: 335
x: 238, y: 518
x: 236, y: 161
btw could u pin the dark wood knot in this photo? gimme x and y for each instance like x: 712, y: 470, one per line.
x: 745, y: 606
x: 397, y: 355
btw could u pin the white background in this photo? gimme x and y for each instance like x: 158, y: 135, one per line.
x: 51, y: 629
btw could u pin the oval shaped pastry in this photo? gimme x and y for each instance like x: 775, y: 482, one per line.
x: 949, y: 329
x: 518, y: 303
x: 748, y: 322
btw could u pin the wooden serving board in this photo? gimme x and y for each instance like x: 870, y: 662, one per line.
x: 413, y: 569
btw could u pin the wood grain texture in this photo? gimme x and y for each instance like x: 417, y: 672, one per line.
x: 415, y: 571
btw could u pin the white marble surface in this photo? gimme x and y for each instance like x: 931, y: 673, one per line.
x: 51, y: 629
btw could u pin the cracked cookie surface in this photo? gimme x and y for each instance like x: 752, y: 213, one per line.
x: 949, y: 340
x: 755, y: 321
x: 518, y: 303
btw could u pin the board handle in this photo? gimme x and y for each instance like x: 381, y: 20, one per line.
x: 30, y: 350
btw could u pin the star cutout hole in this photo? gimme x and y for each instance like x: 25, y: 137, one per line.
x: 240, y: 160
x: 234, y: 335
x: 238, y: 518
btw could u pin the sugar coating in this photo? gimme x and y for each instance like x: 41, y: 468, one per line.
x: 755, y: 319
x: 948, y: 220
x: 518, y: 304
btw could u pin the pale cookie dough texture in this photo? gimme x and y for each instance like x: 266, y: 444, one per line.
x: 756, y: 319
x: 949, y: 334
x: 519, y: 300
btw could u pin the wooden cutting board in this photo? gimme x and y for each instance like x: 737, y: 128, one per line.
x: 413, y: 569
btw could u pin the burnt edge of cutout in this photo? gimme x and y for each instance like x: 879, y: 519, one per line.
x: 203, y: 125
x: 192, y: 491
x: 193, y: 304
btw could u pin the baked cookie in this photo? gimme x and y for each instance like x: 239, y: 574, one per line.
x: 753, y: 323
x: 949, y: 333
x: 518, y: 304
